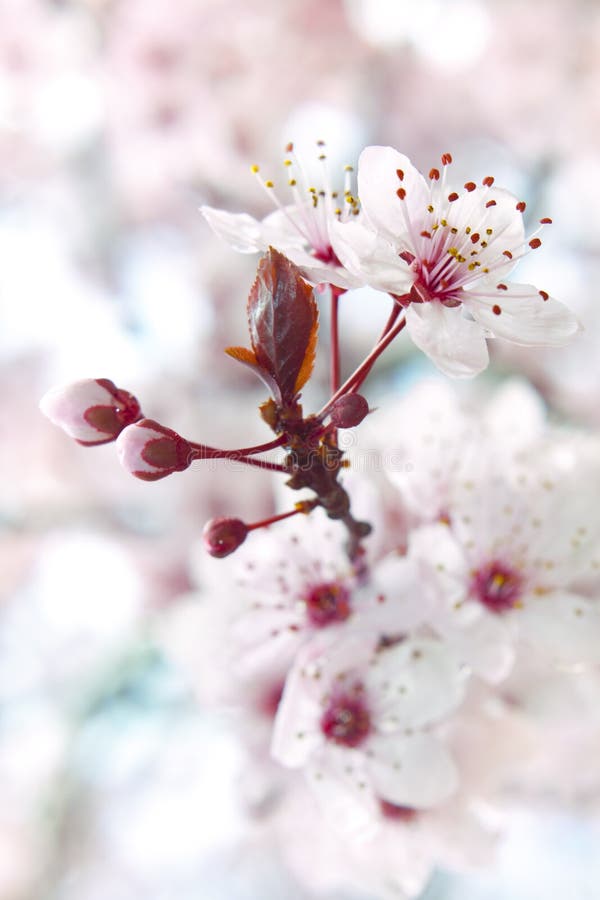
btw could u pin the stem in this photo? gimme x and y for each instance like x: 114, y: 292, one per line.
x: 304, y: 507
x: 359, y: 375
x: 246, y: 460
x: 396, y: 310
x: 206, y: 452
x: 335, y: 294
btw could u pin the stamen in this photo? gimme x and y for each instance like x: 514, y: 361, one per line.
x: 490, y: 203
x: 446, y: 159
x: 470, y: 186
x: 496, y: 309
x: 534, y: 243
x: 544, y: 295
x: 521, y: 206
x: 488, y: 181
x: 400, y: 174
x: 434, y: 174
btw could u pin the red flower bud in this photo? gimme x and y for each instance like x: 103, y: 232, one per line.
x: 222, y: 536
x: 349, y: 410
x: 92, y: 411
x: 150, y: 451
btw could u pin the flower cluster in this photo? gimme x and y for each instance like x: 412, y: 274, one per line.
x: 370, y: 668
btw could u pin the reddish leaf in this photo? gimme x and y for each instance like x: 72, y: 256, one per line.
x: 248, y: 358
x: 283, y: 321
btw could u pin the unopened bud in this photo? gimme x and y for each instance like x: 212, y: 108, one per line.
x: 92, y: 411
x: 222, y: 536
x: 150, y: 451
x: 349, y: 410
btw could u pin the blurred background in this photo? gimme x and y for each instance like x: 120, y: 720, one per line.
x: 118, y: 119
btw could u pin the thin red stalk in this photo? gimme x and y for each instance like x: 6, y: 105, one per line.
x: 396, y: 310
x: 246, y: 460
x: 335, y: 294
x: 359, y: 375
x: 207, y: 452
x: 300, y: 508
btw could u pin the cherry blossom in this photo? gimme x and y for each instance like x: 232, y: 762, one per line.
x: 511, y: 567
x: 357, y: 715
x: 446, y: 255
x: 301, y: 229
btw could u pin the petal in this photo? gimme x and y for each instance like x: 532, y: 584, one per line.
x: 240, y: 230
x: 413, y: 684
x: 412, y: 771
x: 562, y: 626
x: 296, y: 734
x: 456, y: 345
x: 370, y: 257
x: 525, y: 317
x: 487, y: 646
x: 378, y: 183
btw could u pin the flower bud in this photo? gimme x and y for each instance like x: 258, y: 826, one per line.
x: 222, y: 536
x: 92, y: 411
x: 150, y: 451
x: 349, y: 410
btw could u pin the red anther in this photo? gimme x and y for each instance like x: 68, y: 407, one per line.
x: 546, y: 221
x: 490, y: 203
x: 496, y: 309
x: 400, y: 174
x: 426, y: 234
x: 475, y: 237
x: 289, y: 147
x: 446, y: 159
x: 401, y: 193
x: 544, y: 295
x: 488, y: 180
x: 223, y: 536
x: 507, y: 253
x: 453, y: 196
x: 534, y: 243
x: 470, y: 186
x: 349, y: 410
x: 501, y: 287
x: 521, y: 206
x: 434, y: 174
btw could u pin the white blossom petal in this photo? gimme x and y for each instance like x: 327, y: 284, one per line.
x: 412, y: 771
x: 414, y: 683
x: 370, y: 257
x: 378, y: 183
x: 456, y: 345
x: 562, y: 626
x: 525, y: 317
x: 241, y: 231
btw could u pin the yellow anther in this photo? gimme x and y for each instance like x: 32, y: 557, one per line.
x: 269, y: 184
x: 489, y: 230
x: 287, y: 162
x: 348, y: 168
x: 292, y: 182
x: 499, y: 580
x: 430, y: 208
x: 468, y: 229
x: 254, y: 169
x: 453, y: 251
x: 444, y: 222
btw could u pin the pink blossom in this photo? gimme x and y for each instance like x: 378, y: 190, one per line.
x: 357, y: 717
x: 302, y: 229
x: 447, y: 256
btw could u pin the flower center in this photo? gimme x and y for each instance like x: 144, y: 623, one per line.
x: 497, y: 586
x: 313, y: 208
x: 347, y: 721
x: 327, y: 603
x: 396, y: 812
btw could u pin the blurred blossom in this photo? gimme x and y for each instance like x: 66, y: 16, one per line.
x: 446, y: 36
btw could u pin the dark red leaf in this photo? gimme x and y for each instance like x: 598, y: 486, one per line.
x: 283, y: 321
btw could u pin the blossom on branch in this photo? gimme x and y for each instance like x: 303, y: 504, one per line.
x: 445, y: 255
x: 301, y: 229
